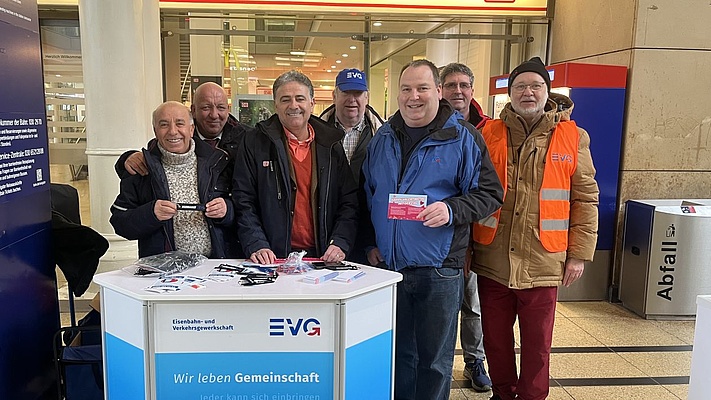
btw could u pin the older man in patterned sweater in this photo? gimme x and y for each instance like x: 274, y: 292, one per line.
x: 182, y: 171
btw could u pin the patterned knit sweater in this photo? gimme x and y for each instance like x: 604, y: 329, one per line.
x: 190, y: 230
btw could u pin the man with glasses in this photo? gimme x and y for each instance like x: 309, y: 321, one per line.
x: 458, y: 89
x: 541, y: 236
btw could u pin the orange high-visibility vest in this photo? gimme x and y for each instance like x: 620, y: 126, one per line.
x: 554, y: 197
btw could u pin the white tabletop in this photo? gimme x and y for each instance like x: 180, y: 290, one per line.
x: 703, y: 301
x: 285, y: 287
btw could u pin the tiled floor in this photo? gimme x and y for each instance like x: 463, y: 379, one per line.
x: 600, y: 350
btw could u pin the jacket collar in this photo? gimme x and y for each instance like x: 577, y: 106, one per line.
x: 372, y: 118
x: 558, y: 108
x: 230, y: 125
x: 476, y: 115
x: 324, y: 133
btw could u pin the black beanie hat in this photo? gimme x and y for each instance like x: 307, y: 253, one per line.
x: 533, y: 65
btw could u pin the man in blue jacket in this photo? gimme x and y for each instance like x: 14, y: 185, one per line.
x: 425, y: 150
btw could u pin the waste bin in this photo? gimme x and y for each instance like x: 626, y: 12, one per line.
x: 666, y: 259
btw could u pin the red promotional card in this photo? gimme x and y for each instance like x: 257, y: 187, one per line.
x: 406, y: 206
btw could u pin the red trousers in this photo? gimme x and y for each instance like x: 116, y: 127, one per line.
x: 535, y: 309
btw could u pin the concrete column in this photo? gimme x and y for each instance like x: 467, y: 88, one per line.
x: 206, y: 56
x: 239, y: 58
x: 171, y: 64
x: 120, y: 40
x: 667, y: 129
x: 376, y: 83
x: 443, y: 51
x: 395, y: 64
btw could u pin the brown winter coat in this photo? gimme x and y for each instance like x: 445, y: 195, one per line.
x: 516, y: 258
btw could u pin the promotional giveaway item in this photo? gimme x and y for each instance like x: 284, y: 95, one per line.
x: 406, y: 206
x: 175, y: 283
x: 319, y: 276
x: 334, y: 266
x: 349, y: 276
x: 161, y: 265
x: 190, y: 207
x: 250, y: 274
x: 295, y: 264
x: 227, y: 272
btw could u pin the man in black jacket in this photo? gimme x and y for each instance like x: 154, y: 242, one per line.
x: 181, y: 170
x: 351, y: 113
x: 215, y: 126
x: 296, y: 191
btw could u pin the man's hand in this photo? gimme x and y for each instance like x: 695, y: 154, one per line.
x: 136, y: 164
x: 216, y: 208
x: 435, y: 215
x: 374, y: 256
x: 263, y: 256
x: 164, y: 210
x: 573, y: 271
x: 333, y: 253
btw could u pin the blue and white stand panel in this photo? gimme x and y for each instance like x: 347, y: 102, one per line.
x: 288, y: 340
x: 699, y: 383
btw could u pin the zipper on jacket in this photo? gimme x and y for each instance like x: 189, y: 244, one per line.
x: 393, y: 246
x: 276, y: 179
x: 210, y: 223
x: 328, y: 192
x: 534, y: 182
x: 171, y: 246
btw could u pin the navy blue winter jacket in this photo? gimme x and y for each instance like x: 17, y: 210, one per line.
x: 132, y: 214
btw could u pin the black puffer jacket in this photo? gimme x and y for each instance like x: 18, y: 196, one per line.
x: 264, y: 190
x: 132, y: 214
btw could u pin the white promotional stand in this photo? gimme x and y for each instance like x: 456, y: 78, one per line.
x: 699, y: 383
x: 287, y: 340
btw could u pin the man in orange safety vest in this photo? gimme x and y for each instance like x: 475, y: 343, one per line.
x: 542, y: 235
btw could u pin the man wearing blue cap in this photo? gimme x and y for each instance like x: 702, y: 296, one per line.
x: 351, y: 113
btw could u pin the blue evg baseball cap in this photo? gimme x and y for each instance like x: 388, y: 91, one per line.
x: 351, y: 79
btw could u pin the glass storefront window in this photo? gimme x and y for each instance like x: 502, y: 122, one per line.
x: 245, y: 52
x: 64, y: 96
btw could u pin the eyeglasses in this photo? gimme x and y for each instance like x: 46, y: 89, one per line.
x: 535, y: 87
x: 453, y: 85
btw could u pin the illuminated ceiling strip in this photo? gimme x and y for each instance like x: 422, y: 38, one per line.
x: 362, y: 5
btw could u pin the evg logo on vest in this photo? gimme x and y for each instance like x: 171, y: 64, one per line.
x: 562, y: 157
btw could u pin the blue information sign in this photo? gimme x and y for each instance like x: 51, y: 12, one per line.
x: 28, y: 294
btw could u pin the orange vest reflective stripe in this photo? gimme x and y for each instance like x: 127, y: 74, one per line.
x: 494, y: 133
x: 554, y: 197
